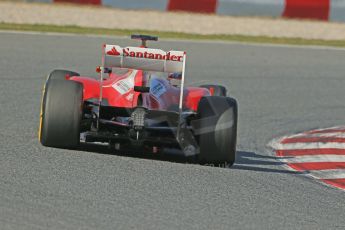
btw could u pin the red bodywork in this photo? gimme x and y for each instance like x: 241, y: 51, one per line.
x: 118, y: 91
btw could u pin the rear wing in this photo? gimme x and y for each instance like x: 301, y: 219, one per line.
x: 147, y: 59
x: 143, y: 59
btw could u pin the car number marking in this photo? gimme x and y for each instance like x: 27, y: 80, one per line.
x: 157, y: 89
x: 124, y: 85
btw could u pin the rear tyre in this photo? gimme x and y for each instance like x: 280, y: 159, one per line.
x: 61, y: 113
x: 61, y: 74
x: 216, y: 130
x: 218, y: 90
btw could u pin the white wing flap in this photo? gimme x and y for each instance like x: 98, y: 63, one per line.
x: 143, y: 59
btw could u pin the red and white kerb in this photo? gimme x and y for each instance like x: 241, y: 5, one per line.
x: 318, y: 153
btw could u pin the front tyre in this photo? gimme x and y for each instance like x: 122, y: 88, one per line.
x: 61, y: 113
x: 216, y: 130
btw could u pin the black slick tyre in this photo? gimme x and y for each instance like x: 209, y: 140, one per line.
x: 61, y: 113
x: 216, y: 130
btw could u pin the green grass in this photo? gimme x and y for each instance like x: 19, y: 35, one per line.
x: 171, y: 35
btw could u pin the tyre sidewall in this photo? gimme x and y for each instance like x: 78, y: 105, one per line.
x: 61, y: 114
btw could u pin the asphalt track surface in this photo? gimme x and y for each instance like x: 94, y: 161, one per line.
x: 280, y: 90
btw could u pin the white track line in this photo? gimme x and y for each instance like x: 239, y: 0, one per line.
x: 313, y: 47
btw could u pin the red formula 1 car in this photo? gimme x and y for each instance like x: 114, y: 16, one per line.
x: 139, y: 104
